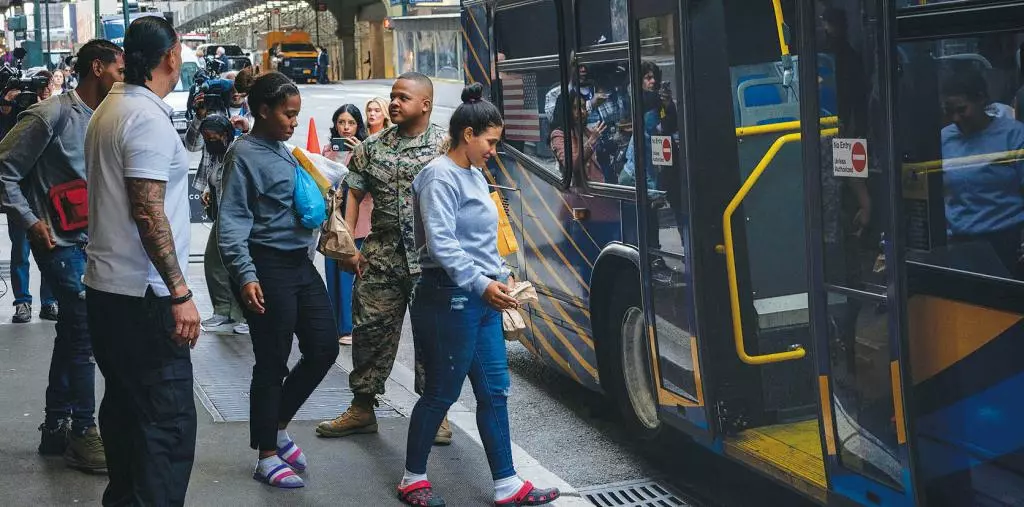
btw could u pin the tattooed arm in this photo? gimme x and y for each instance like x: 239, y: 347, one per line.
x: 146, y: 198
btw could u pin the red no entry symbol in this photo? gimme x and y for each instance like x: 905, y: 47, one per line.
x: 666, y: 150
x: 859, y: 156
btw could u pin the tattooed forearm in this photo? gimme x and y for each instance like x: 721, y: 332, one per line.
x: 146, y: 199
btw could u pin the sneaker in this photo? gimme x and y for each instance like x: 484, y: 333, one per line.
x: 217, y: 323
x: 53, y: 442
x: 85, y: 452
x: 345, y: 340
x: 22, y: 313
x: 49, y: 312
x: 444, y: 433
x: 242, y: 328
x: 357, y: 419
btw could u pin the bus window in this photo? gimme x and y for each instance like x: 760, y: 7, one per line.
x: 601, y: 22
x: 530, y: 80
x: 969, y: 169
x: 601, y: 127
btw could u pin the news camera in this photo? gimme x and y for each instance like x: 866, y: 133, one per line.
x: 216, y: 91
x: 12, y: 78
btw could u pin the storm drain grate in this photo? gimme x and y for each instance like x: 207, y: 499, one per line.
x: 222, y: 365
x: 640, y: 493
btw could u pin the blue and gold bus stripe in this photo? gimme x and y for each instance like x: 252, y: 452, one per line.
x: 472, y: 50
x: 476, y: 25
x: 471, y: 47
x: 558, y: 222
x: 558, y: 251
x: 566, y: 342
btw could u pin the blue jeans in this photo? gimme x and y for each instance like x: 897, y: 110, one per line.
x: 20, y: 255
x: 459, y: 335
x: 72, y: 388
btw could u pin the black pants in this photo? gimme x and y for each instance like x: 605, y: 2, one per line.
x: 296, y: 304
x: 147, y: 416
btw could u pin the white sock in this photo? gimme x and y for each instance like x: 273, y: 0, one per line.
x: 505, y: 488
x: 265, y: 466
x: 283, y: 438
x: 410, y: 478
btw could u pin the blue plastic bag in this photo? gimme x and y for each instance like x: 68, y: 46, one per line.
x: 309, y: 203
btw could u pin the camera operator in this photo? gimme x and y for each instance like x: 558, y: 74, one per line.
x: 42, y: 183
x: 213, y: 132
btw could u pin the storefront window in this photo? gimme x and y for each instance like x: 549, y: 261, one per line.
x: 448, y: 55
x: 426, y: 49
x: 406, y: 52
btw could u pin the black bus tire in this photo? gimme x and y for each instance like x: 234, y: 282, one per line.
x: 626, y: 372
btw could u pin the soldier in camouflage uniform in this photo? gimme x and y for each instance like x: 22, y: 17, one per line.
x: 388, y: 267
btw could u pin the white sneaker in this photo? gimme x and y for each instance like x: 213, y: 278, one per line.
x: 217, y: 323
x: 242, y: 328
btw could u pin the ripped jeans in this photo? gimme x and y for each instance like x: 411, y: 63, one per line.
x: 459, y: 335
x: 72, y: 388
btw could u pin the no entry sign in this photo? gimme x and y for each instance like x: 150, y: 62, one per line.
x: 661, y: 150
x: 850, y: 157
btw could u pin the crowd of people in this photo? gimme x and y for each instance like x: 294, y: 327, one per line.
x: 98, y: 180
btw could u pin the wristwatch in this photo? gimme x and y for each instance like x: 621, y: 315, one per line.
x: 182, y: 299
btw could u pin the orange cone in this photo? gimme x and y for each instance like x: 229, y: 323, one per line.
x: 312, y: 140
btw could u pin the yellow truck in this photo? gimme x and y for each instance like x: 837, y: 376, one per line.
x: 291, y: 53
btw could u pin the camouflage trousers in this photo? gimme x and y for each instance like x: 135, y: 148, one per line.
x: 379, y: 304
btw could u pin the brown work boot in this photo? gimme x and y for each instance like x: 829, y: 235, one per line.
x: 444, y: 433
x: 85, y: 452
x: 357, y: 419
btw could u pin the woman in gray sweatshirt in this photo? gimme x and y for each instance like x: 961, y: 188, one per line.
x: 456, y: 310
x: 266, y: 249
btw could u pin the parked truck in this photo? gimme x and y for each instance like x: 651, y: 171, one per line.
x: 291, y: 53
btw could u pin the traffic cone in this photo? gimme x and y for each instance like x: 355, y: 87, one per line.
x: 312, y: 140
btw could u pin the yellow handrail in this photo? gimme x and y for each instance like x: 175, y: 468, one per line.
x: 948, y: 164
x: 730, y: 256
x: 827, y: 121
x: 780, y: 24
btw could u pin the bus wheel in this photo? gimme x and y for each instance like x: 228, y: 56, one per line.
x: 630, y: 376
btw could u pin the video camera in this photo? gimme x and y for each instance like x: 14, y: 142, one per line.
x: 216, y: 91
x: 12, y: 78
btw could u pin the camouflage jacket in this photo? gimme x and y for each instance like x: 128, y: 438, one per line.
x: 384, y: 166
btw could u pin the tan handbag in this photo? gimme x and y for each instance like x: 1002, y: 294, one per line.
x: 512, y: 321
x: 335, y: 239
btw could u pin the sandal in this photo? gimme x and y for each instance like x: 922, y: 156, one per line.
x: 529, y: 495
x: 420, y: 494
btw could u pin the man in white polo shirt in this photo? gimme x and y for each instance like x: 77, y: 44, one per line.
x: 141, y: 314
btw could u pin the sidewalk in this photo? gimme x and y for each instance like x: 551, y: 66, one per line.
x: 358, y: 470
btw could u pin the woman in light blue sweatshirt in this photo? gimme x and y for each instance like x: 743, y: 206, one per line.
x: 456, y: 310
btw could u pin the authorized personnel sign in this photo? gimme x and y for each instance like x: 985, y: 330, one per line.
x: 661, y: 150
x: 850, y: 157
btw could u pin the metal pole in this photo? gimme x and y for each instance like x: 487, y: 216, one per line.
x: 318, y: 24
x: 124, y: 7
x: 99, y: 21
x: 37, y: 27
x: 46, y: 54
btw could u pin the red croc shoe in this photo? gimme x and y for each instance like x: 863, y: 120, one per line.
x: 529, y: 495
x: 420, y: 494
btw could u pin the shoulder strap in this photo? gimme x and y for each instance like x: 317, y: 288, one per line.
x: 62, y: 116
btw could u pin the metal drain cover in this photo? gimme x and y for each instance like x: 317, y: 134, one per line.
x: 640, y: 493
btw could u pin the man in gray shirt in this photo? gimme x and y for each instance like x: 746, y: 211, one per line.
x: 42, y: 183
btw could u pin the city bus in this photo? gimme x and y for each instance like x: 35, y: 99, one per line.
x: 113, y: 25
x: 788, y: 230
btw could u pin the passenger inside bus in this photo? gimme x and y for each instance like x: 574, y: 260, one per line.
x: 584, y: 152
x: 984, y: 203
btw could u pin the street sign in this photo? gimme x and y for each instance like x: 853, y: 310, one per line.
x: 661, y: 150
x: 850, y: 157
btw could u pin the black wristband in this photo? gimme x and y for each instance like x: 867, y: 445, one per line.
x: 182, y: 299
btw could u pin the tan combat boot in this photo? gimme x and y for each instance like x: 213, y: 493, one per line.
x: 357, y: 419
x: 444, y: 433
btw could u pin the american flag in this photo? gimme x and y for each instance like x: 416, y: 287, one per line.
x: 522, y: 117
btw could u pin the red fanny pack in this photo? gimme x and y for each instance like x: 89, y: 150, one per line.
x: 71, y: 201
